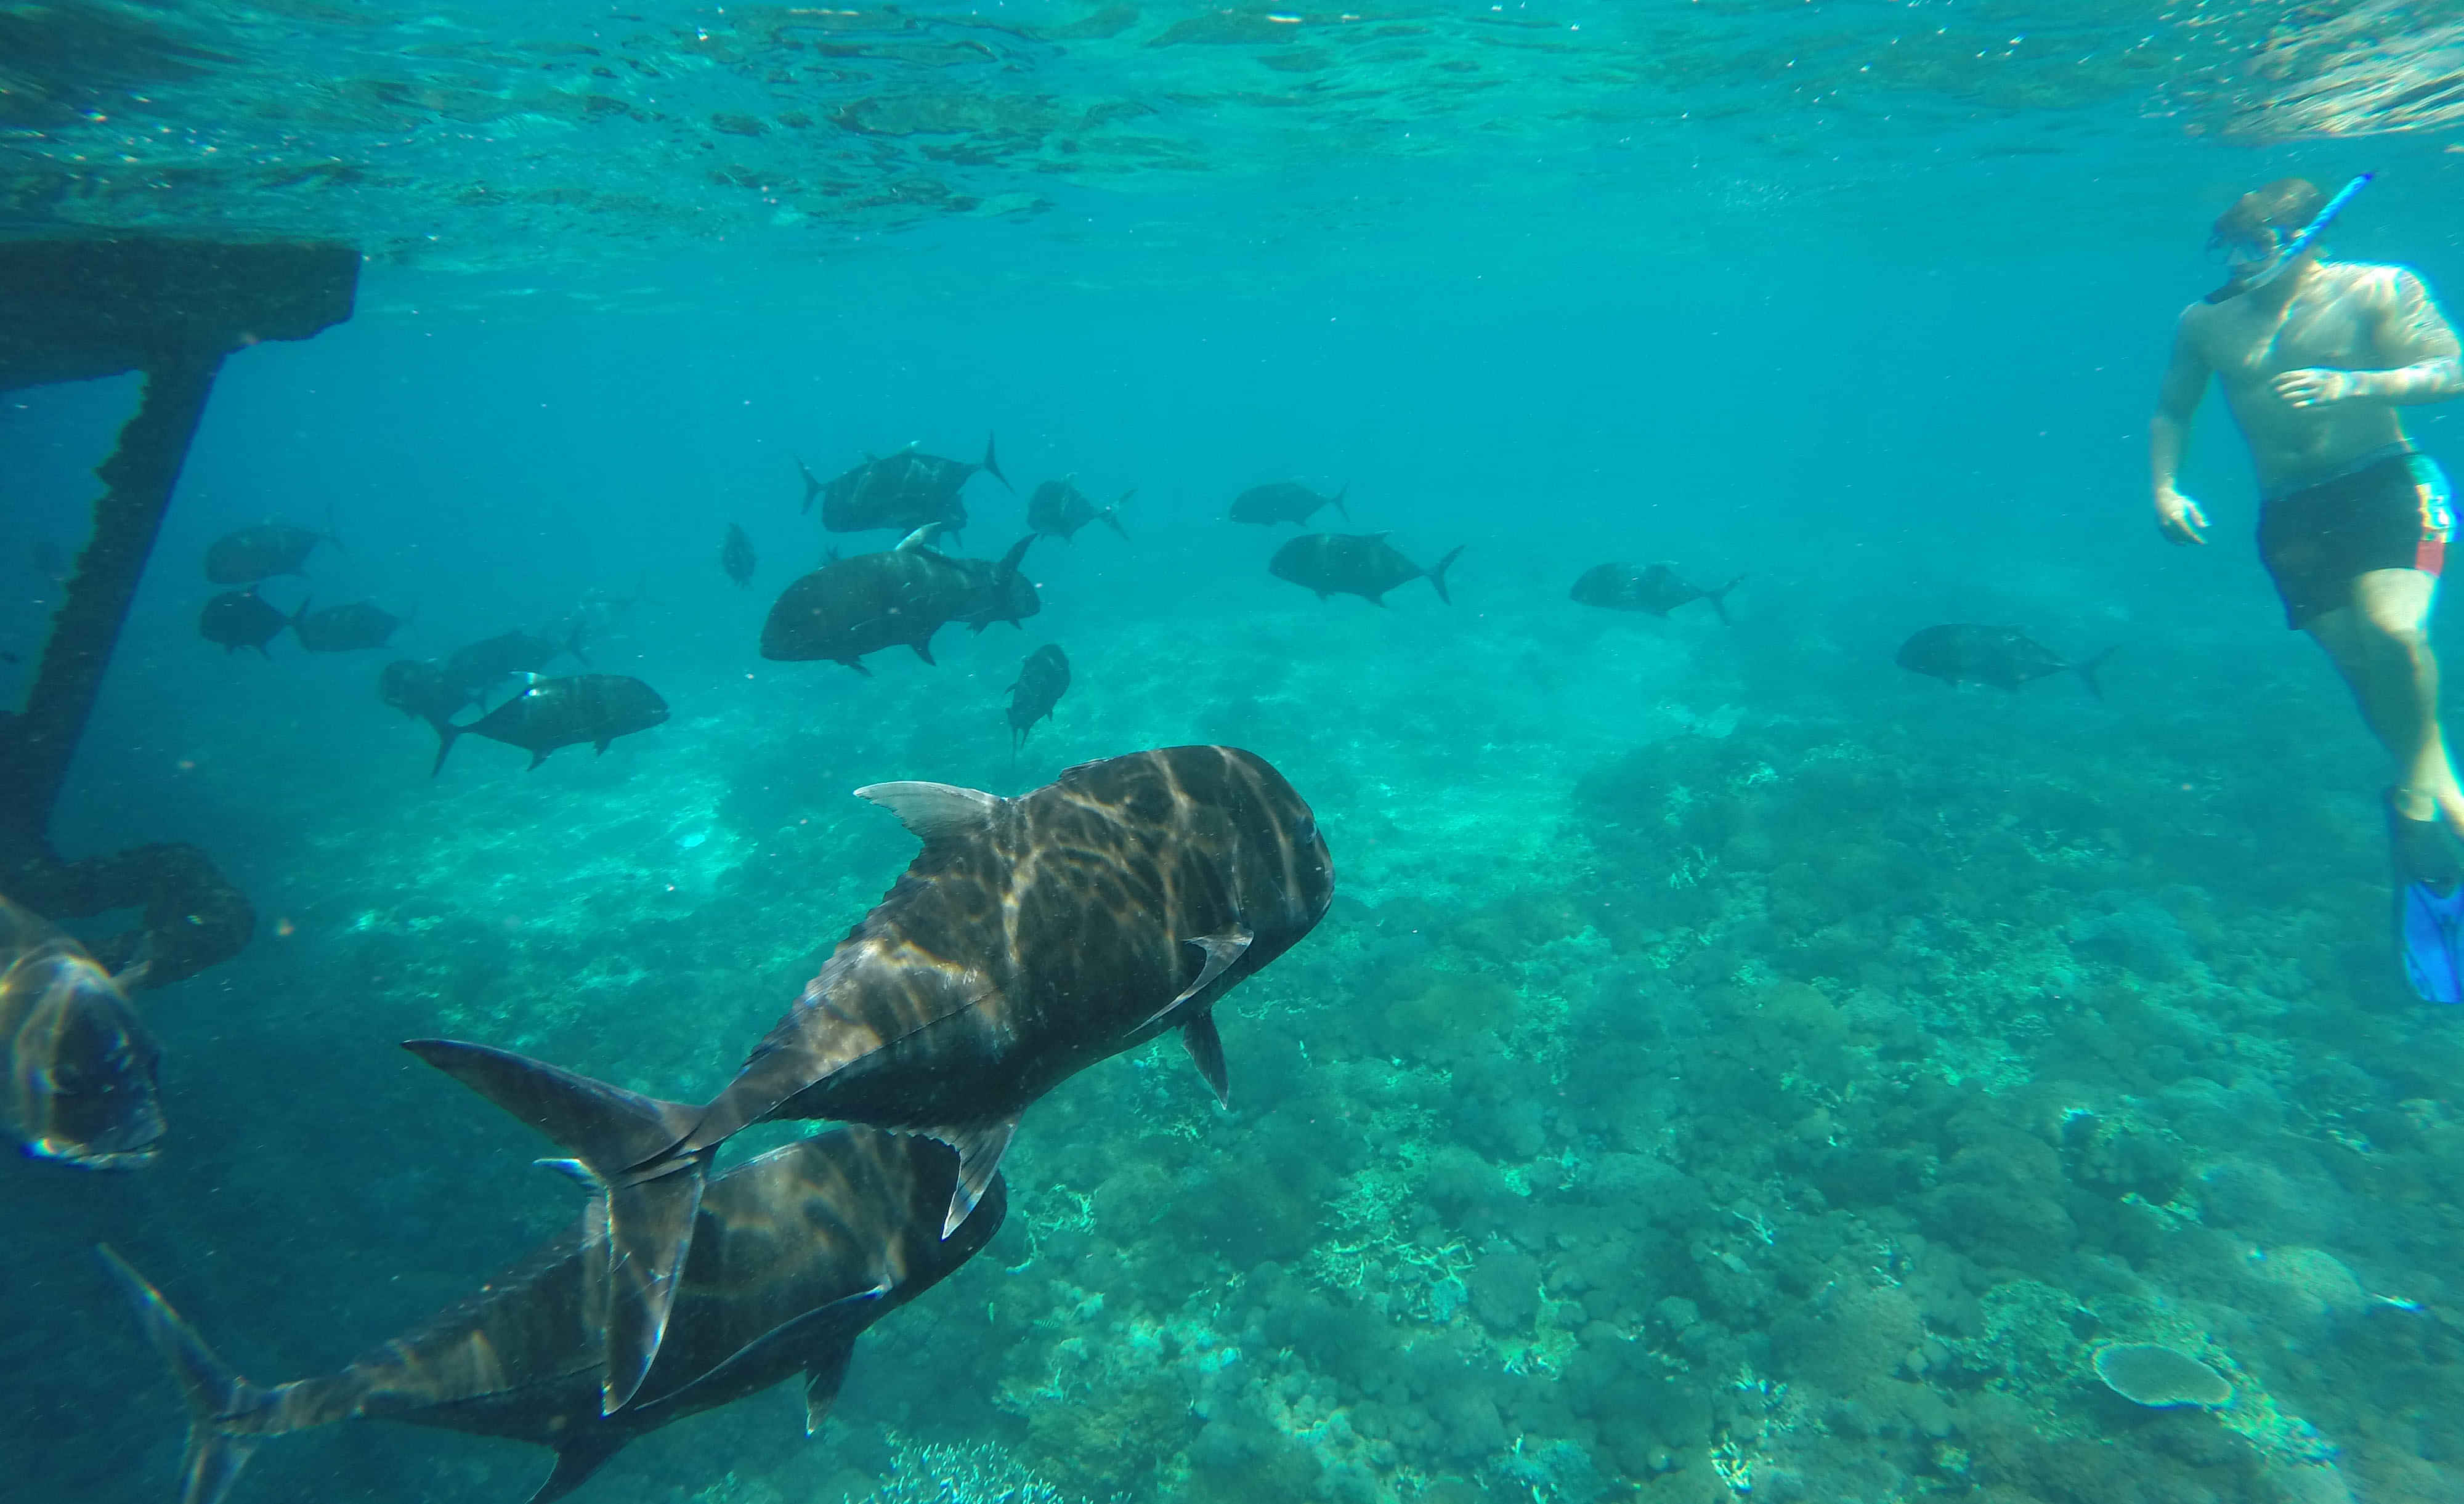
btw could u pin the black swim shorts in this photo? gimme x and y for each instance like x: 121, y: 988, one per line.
x: 2390, y: 514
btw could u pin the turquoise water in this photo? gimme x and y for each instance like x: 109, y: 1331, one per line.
x: 1732, y: 1067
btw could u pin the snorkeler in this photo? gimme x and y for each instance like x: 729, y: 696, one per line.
x: 2315, y: 357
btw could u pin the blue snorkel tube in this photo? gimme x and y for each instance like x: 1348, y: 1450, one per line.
x: 2293, y: 249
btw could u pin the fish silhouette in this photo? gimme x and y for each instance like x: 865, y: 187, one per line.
x: 797, y: 1251
x: 1042, y: 680
x: 1030, y: 939
x: 262, y: 552
x: 1360, y: 564
x: 1059, y: 508
x: 1656, y: 589
x: 851, y: 607
x: 904, y: 491
x: 1285, y: 501
x: 2004, y: 657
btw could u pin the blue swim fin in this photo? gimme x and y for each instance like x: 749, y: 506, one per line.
x: 2430, y: 908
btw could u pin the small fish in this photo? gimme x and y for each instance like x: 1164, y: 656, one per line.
x: 1059, y: 508
x: 797, y: 1252
x: 419, y: 688
x: 1285, y: 501
x: 344, y: 630
x: 736, y: 556
x: 1030, y: 939
x: 906, y: 490
x: 80, y: 1063
x: 482, y: 666
x: 851, y: 607
x: 1354, y: 564
x: 1042, y: 680
x: 262, y: 552
x: 551, y: 713
x: 2001, y: 656
x: 1622, y: 587
x: 238, y: 619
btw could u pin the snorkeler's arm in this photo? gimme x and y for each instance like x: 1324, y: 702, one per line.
x: 2413, y: 329
x: 2406, y: 328
x: 2177, y: 397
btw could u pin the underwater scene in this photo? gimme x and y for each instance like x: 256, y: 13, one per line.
x: 1226, y: 754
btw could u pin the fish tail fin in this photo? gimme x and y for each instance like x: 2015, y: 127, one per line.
x: 1438, y: 574
x: 2087, y: 671
x: 1016, y: 557
x: 447, y: 733
x: 1111, y: 514
x: 214, y: 1391
x: 812, y: 486
x: 1346, y: 511
x: 300, y: 615
x: 1719, y: 600
x: 992, y: 465
x: 629, y: 1145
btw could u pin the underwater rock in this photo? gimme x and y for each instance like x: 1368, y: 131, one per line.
x: 2159, y: 1377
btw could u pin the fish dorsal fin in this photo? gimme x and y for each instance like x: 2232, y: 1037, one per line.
x: 1205, y: 1048
x: 935, y: 811
x: 1221, y: 950
x: 981, y: 1149
x: 920, y: 537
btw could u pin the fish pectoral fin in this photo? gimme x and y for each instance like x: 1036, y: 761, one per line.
x: 577, y: 1460
x: 537, y: 759
x: 598, y: 748
x: 980, y: 1148
x: 1205, y: 1048
x: 933, y: 811
x: 825, y: 1377
x: 1221, y: 950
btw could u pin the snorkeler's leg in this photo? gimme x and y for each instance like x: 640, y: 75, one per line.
x: 2398, y: 687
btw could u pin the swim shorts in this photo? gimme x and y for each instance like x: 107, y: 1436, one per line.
x: 2393, y: 513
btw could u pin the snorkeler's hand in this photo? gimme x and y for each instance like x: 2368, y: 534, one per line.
x: 2179, y: 518
x: 2318, y: 388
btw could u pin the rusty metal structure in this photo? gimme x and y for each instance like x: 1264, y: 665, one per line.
x: 74, y: 310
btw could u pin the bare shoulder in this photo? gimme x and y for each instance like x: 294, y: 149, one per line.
x: 2377, y: 282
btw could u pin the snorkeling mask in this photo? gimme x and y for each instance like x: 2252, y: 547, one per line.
x: 2261, y: 259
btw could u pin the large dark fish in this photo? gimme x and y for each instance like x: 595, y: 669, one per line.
x: 262, y: 552
x: 2002, y: 655
x: 345, y: 629
x: 794, y: 1254
x: 906, y: 491
x: 1361, y: 564
x: 1002, y: 590
x: 1059, y: 508
x: 238, y: 619
x: 736, y: 556
x: 80, y: 1062
x: 1042, y: 680
x: 481, y: 666
x: 1285, y: 501
x: 419, y: 688
x: 1030, y: 939
x: 1657, y: 590
x: 850, y: 607
x: 551, y: 713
